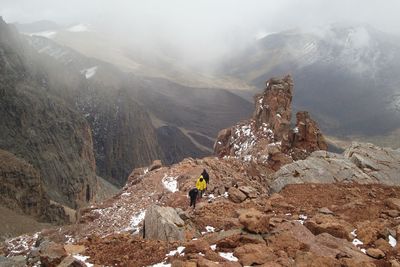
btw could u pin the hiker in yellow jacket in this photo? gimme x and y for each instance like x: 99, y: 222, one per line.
x: 201, y: 185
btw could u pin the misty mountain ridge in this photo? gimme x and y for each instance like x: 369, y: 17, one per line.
x: 158, y: 58
x: 348, y: 77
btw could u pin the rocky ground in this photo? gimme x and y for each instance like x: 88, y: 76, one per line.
x: 339, y: 224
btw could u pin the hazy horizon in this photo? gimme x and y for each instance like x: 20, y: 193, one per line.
x: 202, y: 31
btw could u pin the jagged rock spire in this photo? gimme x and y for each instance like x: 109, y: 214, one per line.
x: 266, y: 138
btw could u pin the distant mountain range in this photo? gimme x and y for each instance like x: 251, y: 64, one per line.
x: 348, y: 77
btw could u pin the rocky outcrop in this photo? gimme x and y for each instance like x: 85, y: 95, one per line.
x: 163, y: 223
x: 21, y: 189
x: 361, y: 163
x: 305, y: 137
x: 319, y: 167
x: 267, y: 138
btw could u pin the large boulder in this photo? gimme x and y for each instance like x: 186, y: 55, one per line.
x: 163, y: 223
x: 322, y: 223
x: 381, y: 164
x: 51, y: 254
x: 362, y: 163
x: 293, y: 236
x: 236, y: 195
x: 319, y: 167
x: 254, y: 221
x: 254, y: 254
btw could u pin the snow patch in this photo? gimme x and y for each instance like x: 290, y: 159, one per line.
x: 213, y: 247
x: 78, y: 28
x: 210, y: 229
x: 136, y: 219
x: 83, y: 259
x: 170, y: 183
x: 262, y: 34
x: 353, y: 233
x: 392, y: 241
x: 89, y: 72
x: 47, y: 34
x: 228, y: 255
x: 357, y: 242
x: 178, y: 250
x: 161, y: 264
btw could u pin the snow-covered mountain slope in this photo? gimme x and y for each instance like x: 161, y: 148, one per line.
x: 346, y: 74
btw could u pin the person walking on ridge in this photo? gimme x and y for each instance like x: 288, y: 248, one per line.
x: 193, y: 196
x: 205, y: 176
x: 201, y: 185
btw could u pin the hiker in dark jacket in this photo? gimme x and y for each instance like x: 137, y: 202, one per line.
x: 205, y: 176
x: 193, y: 196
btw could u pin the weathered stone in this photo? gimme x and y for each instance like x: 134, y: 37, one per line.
x: 155, y: 165
x: 182, y: 214
x: 394, y: 263
x: 249, y: 191
x: 70, y: 261
x: 392, y: 213
x: 308, y: 259
x: 179, y: 263
x: 370, y: 231
x: 319, y: 167
x: 254, y: 254
x: 381, y: 164
x: 163, y: 223
x: 74, y: 249
x: 202, y: 262
x: 254, y: 221
x: 375, y: 253
x: 51, y: 254
x: 393, y: 203
x: 243, y: 238
x: 11, y: 262
x: 325, y: 210
x: 236, y: 195
x: 325, y: 245
x: 383, y: 245
x: 322, y: 223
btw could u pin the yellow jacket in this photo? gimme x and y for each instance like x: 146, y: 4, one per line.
x: 201, y: 185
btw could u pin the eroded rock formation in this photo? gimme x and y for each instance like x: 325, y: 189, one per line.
x: 267, y: 138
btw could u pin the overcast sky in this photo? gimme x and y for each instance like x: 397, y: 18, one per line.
x: 202, y: 23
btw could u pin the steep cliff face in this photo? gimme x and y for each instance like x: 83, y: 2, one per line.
x: 266, y: 138
x: 22, y: 190
x: 123, y: 135
x: 40, y: 128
